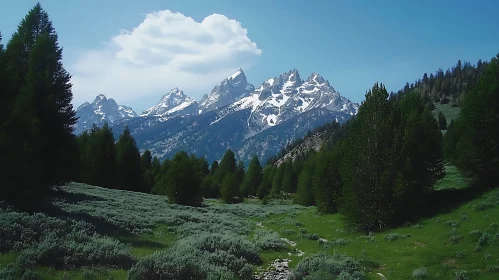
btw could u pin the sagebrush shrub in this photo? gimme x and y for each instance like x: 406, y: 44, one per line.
x: 268, y: 240
x: 460, y: 254
x: 461, y: 275
x: 335, y: 266
x: 212, y: 256
x: 392, y: 236
x: 420, y: 273
x: 480, y: 206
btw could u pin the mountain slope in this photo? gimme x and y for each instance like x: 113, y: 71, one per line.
x: 228, y: 91
x: 99, y: 111
x: 172, y: 104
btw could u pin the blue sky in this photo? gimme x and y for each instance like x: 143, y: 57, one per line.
x: 351, y: 43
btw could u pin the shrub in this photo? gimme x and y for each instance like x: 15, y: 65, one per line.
x: 207, y: 257
x: 287, y: 231
x: 493, y: 268
x: 452, y: 223
x: 340, y: 241
x: 417, y: 226
x: 392, y: 236
x: 77, y: 250
x: 480, y: 206
x: 487, y: 256
x: 420, y: 273
x: 30, y: 275
x: 321, y: 265
x: 268, y: 240
x: 455, y: 238
x: 9, y: 272
x: 461, y: 275
x: 475, y: 234
x: 460, y: 254
x: 309, y: 236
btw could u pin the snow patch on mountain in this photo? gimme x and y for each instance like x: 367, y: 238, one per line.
x: 228, y: 91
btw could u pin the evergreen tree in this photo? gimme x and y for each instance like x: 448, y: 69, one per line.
x: 146, y: 160
x: 240, y: 172
x: 37, y: 140
x: 253, y: 178
x: 213, y: 167
x: 391, y: 159
x: 277, y: 180
x: 227, y: 165
x: 442, y: 121
x: 472, y: 143
x: 266, y: 184
x: 155, y: 168
x: 304, y: 193
x: 100, y: 158
x: 147, y: 178
x: 288, y: 177
x: 182, y: 182
x: 229, y: 191
x: 128, y: 169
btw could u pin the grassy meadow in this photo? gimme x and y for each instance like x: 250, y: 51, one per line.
x: 88, y: 232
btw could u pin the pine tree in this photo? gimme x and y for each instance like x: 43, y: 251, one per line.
x: 288, y: 178
x: 227, y: 165
x: 322, y: 184
x: 100, y: 158
x: 38, y: 140
x: 390, y: 161
x: 213, y: 167
x: 146, y: 160
x: 266, y: 184
x: 253, y: 178
x: 277, y: 180
x: 182, y: 182
x: 442, y: 121
x: 147, y: 178
x: 472, y: 143
x: 240, y: 172
x: 366, y: 194
x: 304, y: 193
x: 229, y: 191
x: 155, y: 167
x: 128, y: 161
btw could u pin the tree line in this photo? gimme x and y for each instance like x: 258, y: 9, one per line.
x: 449, y: 86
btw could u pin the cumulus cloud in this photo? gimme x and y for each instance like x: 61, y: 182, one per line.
x: 166, y: 50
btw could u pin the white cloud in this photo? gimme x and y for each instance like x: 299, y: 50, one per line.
x: 166, y: 50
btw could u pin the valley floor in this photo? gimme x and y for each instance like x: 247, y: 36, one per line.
x: 462, y: 239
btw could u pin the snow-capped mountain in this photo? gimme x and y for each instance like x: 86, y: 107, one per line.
x: 259, y: 122
x: 172, y: 104
x: 99, y: 111
x: 228, y: 91
x: 282, y: 98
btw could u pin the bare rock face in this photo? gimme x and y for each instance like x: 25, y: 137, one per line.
x: 278, y: 270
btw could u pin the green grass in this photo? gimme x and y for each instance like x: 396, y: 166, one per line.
x: 449, y: 112
x: 442, y: 244
x: 452, y: 180
x: 427, y: 246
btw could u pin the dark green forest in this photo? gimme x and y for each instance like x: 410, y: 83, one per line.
x: 378, y: 169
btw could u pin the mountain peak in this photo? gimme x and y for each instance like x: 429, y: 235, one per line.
x: 100, y: 111
x: 228, y: 91
x: 175, y: 101
x: 318, y: 79
x: 238, y: 73
x: 100, y: 97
